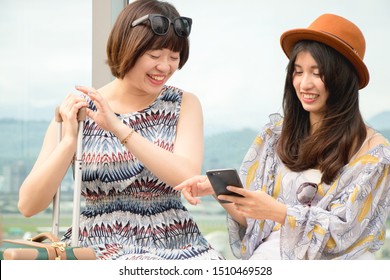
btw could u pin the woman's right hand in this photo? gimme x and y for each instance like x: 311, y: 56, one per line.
x: 39, y: 187
x: 68, y: 111
x: 195, y: 187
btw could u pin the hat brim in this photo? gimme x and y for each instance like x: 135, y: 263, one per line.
x: 291, y: 37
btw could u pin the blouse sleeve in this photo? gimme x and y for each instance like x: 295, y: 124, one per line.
x: 257, y: 171
x: 351, y: 217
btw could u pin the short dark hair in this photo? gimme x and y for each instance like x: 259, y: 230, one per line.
x: 126, y: 43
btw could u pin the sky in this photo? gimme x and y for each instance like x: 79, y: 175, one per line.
x: 236, y: 66
x: 45, y: 50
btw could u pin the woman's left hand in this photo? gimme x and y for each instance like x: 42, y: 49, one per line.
x: 195, y: 187
x: 256, y: 204
x: 103, y: 116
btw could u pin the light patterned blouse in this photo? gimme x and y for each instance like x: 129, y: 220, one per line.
x: 346, y: 219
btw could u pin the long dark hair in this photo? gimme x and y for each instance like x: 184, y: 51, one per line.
x: 341, y: 132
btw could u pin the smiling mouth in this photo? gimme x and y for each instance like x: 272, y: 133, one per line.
x: 310, y: 96
x: 157, y: 78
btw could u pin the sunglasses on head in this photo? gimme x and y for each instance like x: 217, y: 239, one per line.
x: 306, y: 193
x: 160, y: 24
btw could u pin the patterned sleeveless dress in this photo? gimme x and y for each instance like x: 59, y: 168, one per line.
x: 130, y: 213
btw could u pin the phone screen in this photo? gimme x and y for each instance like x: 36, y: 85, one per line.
x: 221, y: 178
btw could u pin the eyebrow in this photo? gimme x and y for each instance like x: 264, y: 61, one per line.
x: 314, y: 67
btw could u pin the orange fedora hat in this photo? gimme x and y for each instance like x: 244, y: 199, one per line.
x: 336, y: 32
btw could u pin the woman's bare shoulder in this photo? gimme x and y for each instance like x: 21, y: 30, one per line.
x: 375, y: 138
x: 372, y: 140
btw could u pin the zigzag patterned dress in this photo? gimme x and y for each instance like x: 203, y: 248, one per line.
x: 130, y: 213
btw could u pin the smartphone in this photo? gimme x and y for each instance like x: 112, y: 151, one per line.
x: 221, y: 178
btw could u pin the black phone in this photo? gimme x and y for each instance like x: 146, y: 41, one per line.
x: 221, y: 178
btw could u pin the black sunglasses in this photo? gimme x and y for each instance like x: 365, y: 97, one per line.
x: 160, y: 24
x: 306, y: 193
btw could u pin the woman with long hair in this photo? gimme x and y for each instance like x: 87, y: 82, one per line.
x: 316, y: 181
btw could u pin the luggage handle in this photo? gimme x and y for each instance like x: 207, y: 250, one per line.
x: 45, y: 236
x: 81, y: 116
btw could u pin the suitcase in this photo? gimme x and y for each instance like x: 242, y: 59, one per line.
x: 47, y: 245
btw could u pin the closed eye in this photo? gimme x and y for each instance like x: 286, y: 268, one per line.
x: 154, y: 56
x: 297, y: 73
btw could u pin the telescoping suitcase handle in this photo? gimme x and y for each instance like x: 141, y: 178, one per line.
x: 81, y: 116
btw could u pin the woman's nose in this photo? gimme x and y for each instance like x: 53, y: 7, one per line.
x: 163, y: 65
x: 306, y: 81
